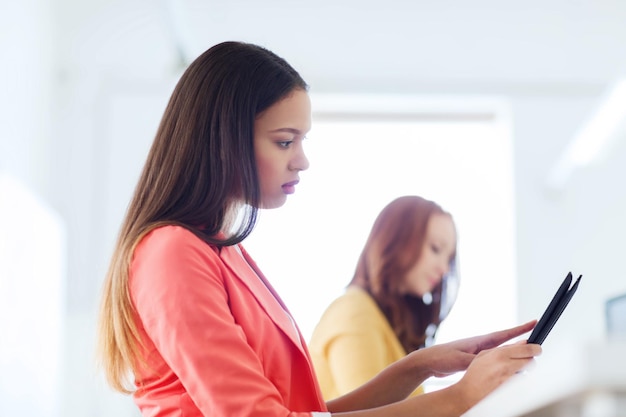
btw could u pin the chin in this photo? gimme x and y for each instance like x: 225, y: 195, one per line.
x: 273, y: 204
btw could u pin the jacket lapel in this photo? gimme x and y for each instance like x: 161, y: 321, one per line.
x: 244, y: 268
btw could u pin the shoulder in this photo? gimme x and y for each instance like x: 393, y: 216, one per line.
x: 354, y: 306
x: 354, y: 298
x: 171, y: 242
x: 353, y: 313
x: 173, y: 251
x: 169, y: 237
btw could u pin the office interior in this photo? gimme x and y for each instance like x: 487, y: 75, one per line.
x: 555, y: 68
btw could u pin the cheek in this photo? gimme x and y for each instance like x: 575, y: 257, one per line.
x: 263, y: 169
x: 262, y: 155
x: 415, y: 283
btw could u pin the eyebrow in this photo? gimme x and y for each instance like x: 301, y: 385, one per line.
x: 287, y: 129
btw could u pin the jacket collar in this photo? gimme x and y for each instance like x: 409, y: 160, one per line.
x: 243, y: 267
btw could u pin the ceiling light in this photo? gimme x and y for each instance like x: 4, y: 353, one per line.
x: 594, y: 138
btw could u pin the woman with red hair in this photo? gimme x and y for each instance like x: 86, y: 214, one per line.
x: 403, y: 287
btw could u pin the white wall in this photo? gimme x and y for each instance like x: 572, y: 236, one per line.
x: 32, y: 320
x: 33, y: 248
x: 26, y: 90
x: 579, y: 229
x: 550, y: 58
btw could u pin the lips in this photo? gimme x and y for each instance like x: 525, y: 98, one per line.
x: 290, y: 187
x: 433, y: 282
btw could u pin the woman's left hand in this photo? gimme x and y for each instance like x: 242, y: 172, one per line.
x: 449, y: 358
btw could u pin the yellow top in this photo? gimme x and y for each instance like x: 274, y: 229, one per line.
x: 352, y: 342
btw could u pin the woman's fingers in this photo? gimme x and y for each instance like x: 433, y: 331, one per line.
x: 494, y: 339
x: 458, y: 355
x: 492, y: 367
x: 510, y: 359
x: 521, y: 350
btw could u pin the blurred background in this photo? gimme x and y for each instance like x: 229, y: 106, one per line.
x: 509, y: 114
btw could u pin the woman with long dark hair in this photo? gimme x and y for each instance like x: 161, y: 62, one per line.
x: 188, y: 323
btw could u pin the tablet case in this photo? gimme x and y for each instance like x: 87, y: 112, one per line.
x: 560, y: 300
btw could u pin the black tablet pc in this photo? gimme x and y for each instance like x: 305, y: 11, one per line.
x: 560, y: 300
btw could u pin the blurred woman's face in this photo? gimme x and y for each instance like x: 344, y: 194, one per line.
x: 435, y: 256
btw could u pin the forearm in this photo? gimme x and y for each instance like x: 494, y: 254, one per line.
x: 391, y: 385
x: 486, y: 368
x: 447, y: 402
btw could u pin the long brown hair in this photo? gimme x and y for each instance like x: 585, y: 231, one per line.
x: 199, y: 172
x: 393, y: 247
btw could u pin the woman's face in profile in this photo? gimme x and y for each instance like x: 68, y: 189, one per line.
x: 435, y: 256
x: 278, y: 135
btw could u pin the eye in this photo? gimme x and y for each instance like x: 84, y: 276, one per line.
x: 284, y: 143
x: 435, y: 248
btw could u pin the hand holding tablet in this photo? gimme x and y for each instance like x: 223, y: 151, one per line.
x: 560, y: 300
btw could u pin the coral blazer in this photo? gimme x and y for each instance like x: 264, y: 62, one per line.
x: 217, y: 339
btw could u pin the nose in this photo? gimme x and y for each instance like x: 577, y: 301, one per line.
x: 444, y: 267
x: 299, y: 162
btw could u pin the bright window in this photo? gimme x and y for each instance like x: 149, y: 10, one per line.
x: 364, y: 152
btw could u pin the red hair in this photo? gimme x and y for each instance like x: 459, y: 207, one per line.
x: 393, y: 247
